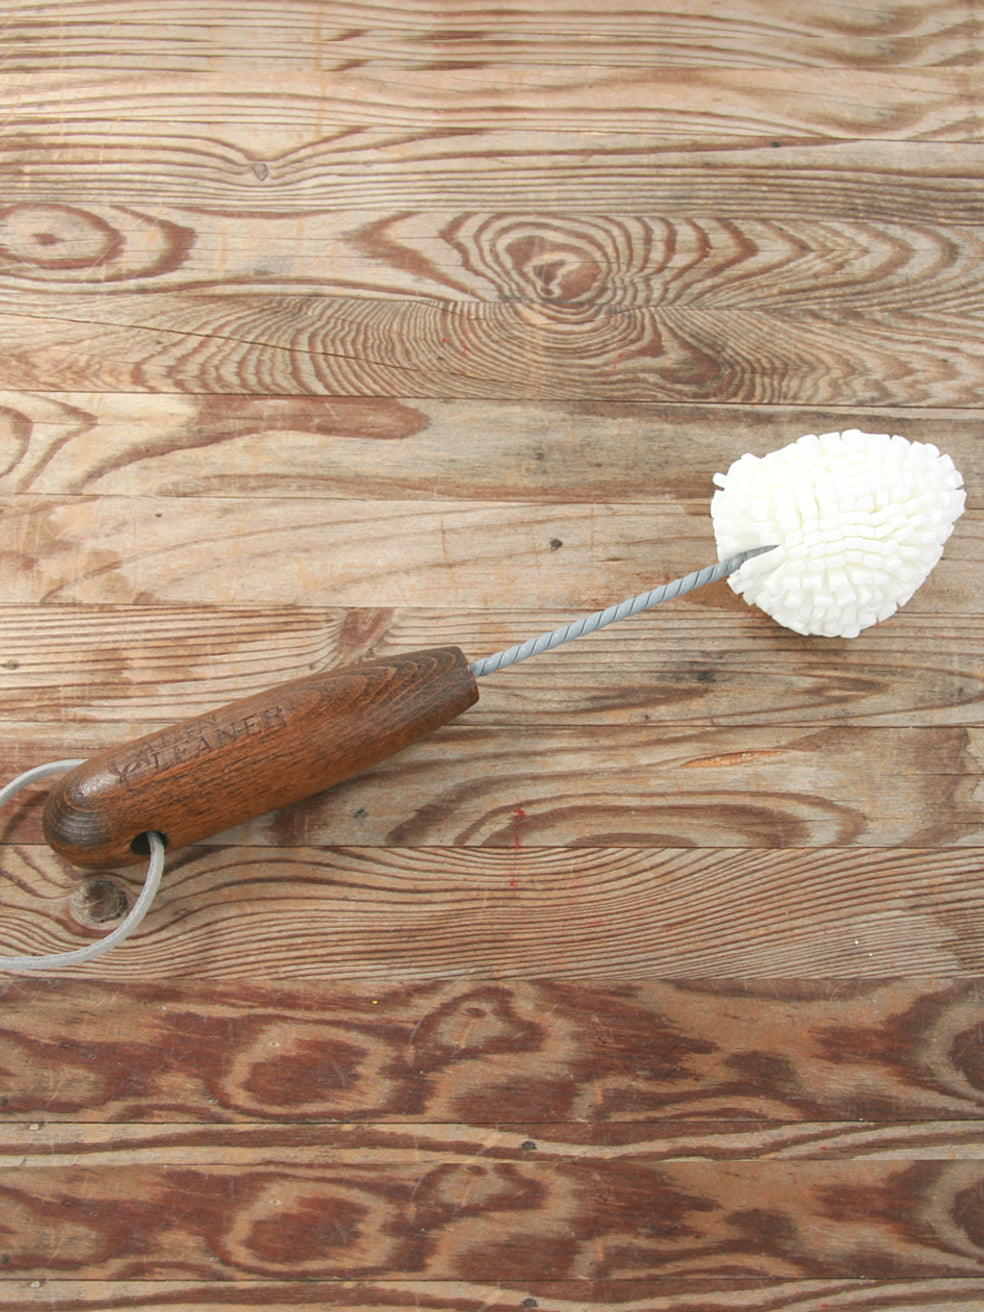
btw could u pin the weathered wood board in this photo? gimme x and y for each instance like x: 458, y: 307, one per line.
x: 331, y: 330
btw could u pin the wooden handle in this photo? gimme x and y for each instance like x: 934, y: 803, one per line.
x: 203, y: 775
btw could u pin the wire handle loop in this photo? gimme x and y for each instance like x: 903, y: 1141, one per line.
x: 59, y: 960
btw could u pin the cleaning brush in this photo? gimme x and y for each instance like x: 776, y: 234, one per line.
x: 858, y: 520
x: 828, y: 535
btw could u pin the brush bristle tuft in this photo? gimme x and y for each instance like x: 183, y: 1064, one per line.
x: 858, y: 519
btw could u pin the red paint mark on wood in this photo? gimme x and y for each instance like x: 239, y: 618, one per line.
x: 519, y: 815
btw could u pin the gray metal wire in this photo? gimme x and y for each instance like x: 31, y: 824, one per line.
x: 75, y: 957
x: 621, y: 611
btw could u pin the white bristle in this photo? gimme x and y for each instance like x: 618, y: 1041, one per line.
x: 858, y: 521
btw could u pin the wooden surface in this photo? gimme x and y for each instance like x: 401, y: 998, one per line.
x: 336, y: 331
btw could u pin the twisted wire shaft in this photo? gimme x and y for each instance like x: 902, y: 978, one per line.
x: 620, y: 611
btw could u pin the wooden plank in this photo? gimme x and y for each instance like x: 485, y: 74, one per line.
x: 492, y: 1053
x: 488, y: 1221
x: 148, y: 166
x: 187, y: 445
x: 64, y: 1145
x: 460, y: 556
x: 760, y: 1053
x: 220, y: 550
x: 289, y: 344
x: 921, y: 1025
x: 572, y: 265
x: 620, y: 786
x: 636, y: 912
x: 96, y: 34
x: 623, y: 785
x: 668, y: 1294
x: 672, y: 106
x: 463, y: 555
x: 142, y: 667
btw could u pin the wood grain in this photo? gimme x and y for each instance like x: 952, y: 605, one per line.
x: 337, y: 331
x: 392, y: 1131
x: 655, y: 1294
x: 473, y: 1222
x: 776, y: 1063
x: 279, y: 551
x: 635, y: 785
x: 637, y: 911
x: 297, y: 345
x: 700, y: 662
x: 98, y: 35
x: 67, y: 1145
x: 574, y: 267
x: 646, y: 301
x: 671, y: 106
x: 187, y: 446
x: 492, y: 170
x: 458, y: 555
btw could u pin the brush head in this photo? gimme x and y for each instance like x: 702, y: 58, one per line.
x: 858, y: 520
